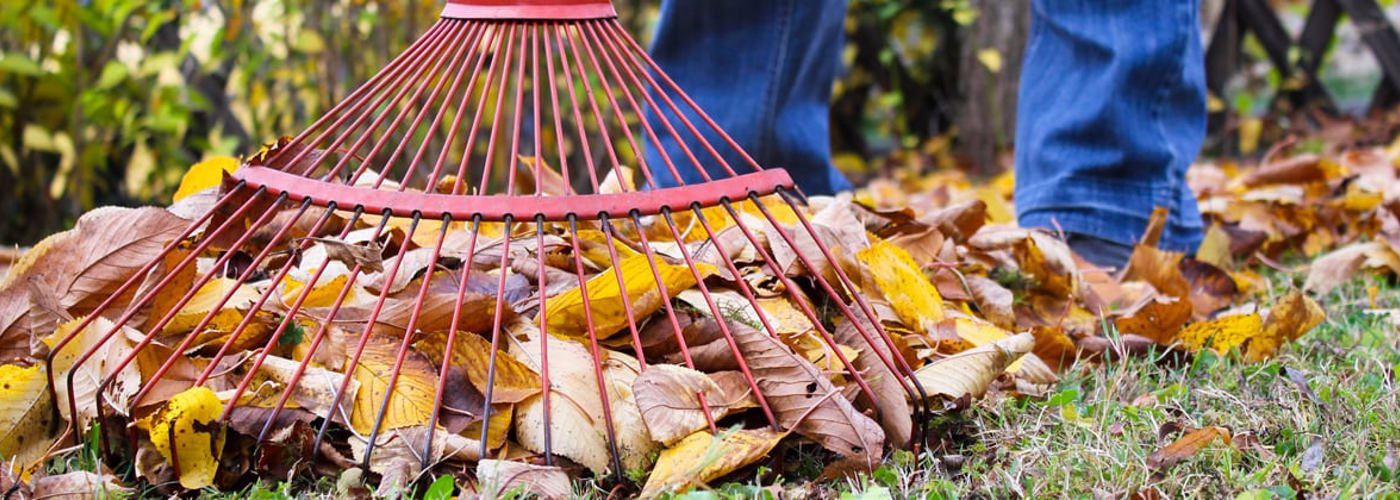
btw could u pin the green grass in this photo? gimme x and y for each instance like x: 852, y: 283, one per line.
x: 1094, y: 433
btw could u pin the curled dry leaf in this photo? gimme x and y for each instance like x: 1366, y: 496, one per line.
x: 668, y: 397
x: 972, y: 371
x: 499, y: 477
x: 888, y: 392
x: 78, y: 485
x: 104, y: 362
x: 1336, y: 267
x: 702, y: 457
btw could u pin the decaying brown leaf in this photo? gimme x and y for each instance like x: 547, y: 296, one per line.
x: 805, y: 400
x: 1187, y: 446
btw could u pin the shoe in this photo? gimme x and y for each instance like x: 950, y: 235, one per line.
x: 1100, y: 252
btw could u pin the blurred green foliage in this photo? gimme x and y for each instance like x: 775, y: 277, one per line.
x: 109, y: 101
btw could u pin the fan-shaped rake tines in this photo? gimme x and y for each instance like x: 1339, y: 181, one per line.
x: 410, y: 278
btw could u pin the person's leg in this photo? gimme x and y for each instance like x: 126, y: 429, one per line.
x: 1112, y: 111
x: 763, y: 69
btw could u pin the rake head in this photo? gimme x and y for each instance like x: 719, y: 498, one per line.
x: 411, y: 267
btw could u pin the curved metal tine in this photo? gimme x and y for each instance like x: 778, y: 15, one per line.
x: 719, y: 321
x: 492, y: 48
x: 352, y: 103
x: 204, y: 322
x: 656, y: 70
x: 517, y: 116
x: 487, y: 30
x: 619, y: 114
x: 670, y: 316
x: 364, y: 110
x: 612, y: 33
x: 496, y: 113
x: 552, y: 83
x: 461, y: 49
x: 545, y: 384
x: 592, y: 104
x: 364, y: 335
x: 806, y: 307
x: 321, y: 331
x: 609, y: 56
x: 609, y: 424
x: 539, y: 222
x: 496, y: 326
x: 136, y: 278
x: 846, y: 282
x: 131, y: 310
x: 622, y: 289
x: 451, y: 342
x: 442, y: 53
x: 408, y: 337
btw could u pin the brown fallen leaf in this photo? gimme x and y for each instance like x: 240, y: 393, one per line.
x: 889, y: 395
x: 79, y: 269
x: 668, y: 397
x: 499, y: 477
x: 1335, y: 268
x: 1187, y: 446
x: 796, y: 389
x: 78, y: 485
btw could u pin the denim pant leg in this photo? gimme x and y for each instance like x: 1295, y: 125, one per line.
x: 763, y: 70
x: 1112, y: 111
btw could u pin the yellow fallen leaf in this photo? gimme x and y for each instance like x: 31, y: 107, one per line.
x: 26, y: 416
x: 321, y: 295
x: 701, y: 457
x: 1221, y: 334
x: 186, y: 433
x: 226, y: 318
x: 1293, y: 316
x: 565, y: 311
x: 410, y: 404
x: 204, y: 175
x: 914, y: 299
x: 514, y: 380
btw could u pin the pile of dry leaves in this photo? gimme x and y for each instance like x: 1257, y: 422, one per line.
x: 971, y: 302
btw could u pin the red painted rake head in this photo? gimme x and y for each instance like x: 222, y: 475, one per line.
x: 439, y: 167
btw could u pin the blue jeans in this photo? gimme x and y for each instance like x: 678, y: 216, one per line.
x: 1111, y: 112
x: 763, y: 70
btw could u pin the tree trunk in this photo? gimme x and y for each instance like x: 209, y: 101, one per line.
x: 987, y: 121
